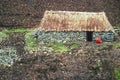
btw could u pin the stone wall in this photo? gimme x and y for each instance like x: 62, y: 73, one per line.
x: 64, y: 36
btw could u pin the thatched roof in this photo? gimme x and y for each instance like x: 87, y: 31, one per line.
x: 75, y: 21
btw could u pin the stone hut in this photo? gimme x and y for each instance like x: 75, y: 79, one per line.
x: 75, y: 21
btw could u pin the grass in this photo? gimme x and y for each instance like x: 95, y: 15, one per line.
x: 62, y: 47
x: 5, y: 31
x: 58, y: 47
x: 31, y: 43
x: 117, y: 74
x: 72, y: 44
x: 116, y: 45
x: 3, y: 36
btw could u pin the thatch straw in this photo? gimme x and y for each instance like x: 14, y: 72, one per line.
x: 75, y: 21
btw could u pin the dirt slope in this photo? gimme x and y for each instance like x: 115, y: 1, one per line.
x: 84, y: 64
x: 28, y: 13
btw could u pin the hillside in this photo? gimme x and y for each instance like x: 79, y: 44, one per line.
x: 28, y: 13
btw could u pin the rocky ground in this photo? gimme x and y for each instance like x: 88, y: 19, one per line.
x: 89, y: 62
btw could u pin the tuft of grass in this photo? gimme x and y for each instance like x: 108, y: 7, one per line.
x: 116, y: 45
x: 117, y: 74
x: 61, y: 49
x: 3, y: 36
x: 58, y: 47
x: 31, y: 43
x: 6, y: 31
x: 101, y: 47
x: 73, y: 45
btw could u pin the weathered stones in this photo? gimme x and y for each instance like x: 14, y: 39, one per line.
x: 64, y: 36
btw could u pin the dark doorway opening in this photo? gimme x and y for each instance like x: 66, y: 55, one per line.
x: 89, y: 35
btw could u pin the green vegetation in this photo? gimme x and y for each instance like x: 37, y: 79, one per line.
x: 3, y: 36
x: 62, y: 47
x: 5, y: 31
x: 31, y: 43
x: 116, y: 45
x: 8, y: 55
x: 72, y: 44
x: 58, y: 47
x: 117, y: 74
